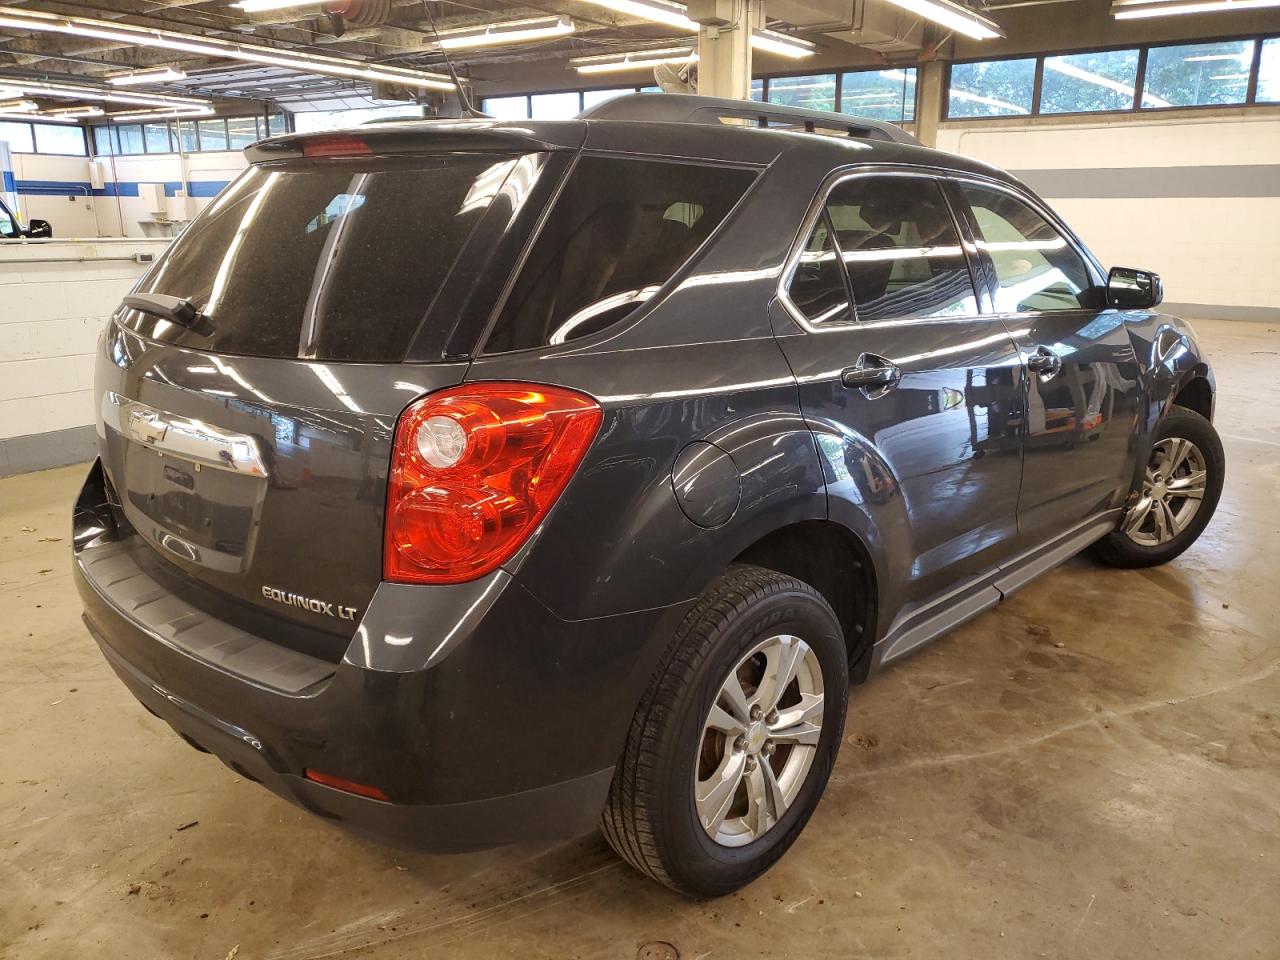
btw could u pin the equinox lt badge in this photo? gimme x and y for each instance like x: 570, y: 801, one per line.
x: 308, y: 603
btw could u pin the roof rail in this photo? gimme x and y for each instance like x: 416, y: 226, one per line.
x: 689, y: 108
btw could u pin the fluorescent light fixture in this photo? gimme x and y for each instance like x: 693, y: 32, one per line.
x: 513, y: 31
x: 18, y: 106
x: 36, y: 116
x: 956, y: 16
x: 639, y: 60
x: 260, y: 6
x: 73, y: 112
x: 84, y: 91
x: 659, y: 11
x: 20, y: 19
x: 159, y: 75
x: 177, y: 114
x: 1131, y: 10
x: 770, y: 41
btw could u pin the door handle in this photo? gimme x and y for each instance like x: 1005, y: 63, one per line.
x: 1044, y: 362
x: 873, y: 374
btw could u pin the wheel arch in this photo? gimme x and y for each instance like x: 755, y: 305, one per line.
x: 835, y: 562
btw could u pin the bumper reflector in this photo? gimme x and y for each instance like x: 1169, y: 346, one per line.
x: 347, y: 786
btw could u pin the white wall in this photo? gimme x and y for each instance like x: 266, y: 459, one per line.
x: 56, y: 297
x: 196, y: 177
x: 1195, y: 199
x: 71, y: 211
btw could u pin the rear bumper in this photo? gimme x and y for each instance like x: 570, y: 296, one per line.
x: 508, y: 736
x: 559, y: 810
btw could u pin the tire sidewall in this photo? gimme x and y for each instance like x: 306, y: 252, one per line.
x: 1190, y: 426
x: 786, y: 612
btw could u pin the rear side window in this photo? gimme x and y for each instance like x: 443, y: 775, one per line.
x: 325, y: 259
x: 901, y: 249
x: 620, y: 229
x: 1036, y: 268
x: 817, y: 286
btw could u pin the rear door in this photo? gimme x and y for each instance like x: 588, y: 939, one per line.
x: 1082, y: 374
x: 915, y: 397
x: 251, y: 457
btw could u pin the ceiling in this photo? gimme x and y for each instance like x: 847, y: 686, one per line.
x: 401, y: 35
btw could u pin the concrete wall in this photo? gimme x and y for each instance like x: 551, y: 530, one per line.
x: 1195, y: 197
x: 54, y: 297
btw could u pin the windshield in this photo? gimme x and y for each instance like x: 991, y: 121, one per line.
x: 324, y: 259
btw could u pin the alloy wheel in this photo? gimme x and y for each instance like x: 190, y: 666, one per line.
x: 1172, y: 491
x: 758, y: 741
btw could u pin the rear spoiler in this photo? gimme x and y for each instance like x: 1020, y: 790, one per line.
x: 424, y: 136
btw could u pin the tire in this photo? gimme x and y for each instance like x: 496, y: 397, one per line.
x: 651, y: 818
x: 1144, y: 545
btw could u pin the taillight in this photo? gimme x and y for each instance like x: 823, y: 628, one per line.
x: 474, y: 469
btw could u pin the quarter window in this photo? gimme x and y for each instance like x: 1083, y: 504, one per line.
x: 900, y: 249
x: 1036, y: 268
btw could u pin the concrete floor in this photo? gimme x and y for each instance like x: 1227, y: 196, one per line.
x: 1090, y: 770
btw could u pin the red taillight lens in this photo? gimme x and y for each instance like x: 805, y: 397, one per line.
x: 335, y: 145
x: 474, y: 470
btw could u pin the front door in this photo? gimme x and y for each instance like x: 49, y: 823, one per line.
x: 1082, y: 374
x: 915, y: 398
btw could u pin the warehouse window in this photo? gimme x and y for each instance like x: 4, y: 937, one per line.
x: 591, y: 97
x: 880, y: 94
x: 18, y: 136
x: 992, y: 88
x: 817, y: 92
x: 156, y: 138
x: 1269, y: 72
x: 506, y: 108
x: 1198, y: 74
x: 555, y: 106
x: 1089, y: 82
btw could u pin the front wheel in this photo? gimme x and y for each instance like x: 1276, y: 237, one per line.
x: 731, y: 747
x: 1180, y: 491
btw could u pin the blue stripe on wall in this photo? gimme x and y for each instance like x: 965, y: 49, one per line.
x: 125, y: 188
x: 8, y: 184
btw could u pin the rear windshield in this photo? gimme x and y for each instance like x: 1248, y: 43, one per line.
x: 324, y: 259
x: 620, y: 229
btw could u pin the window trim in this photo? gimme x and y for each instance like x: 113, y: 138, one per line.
x: 1143, y: 49
x: 35, y: 151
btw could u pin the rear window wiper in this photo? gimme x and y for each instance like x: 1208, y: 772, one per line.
x: 174, y: 309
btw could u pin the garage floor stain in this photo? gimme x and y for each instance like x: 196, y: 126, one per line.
x: 1090, y: 770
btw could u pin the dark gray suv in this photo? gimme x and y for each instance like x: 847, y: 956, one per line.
x: 463, y: 480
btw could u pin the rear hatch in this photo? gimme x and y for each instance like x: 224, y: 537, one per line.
x: 250, y: 450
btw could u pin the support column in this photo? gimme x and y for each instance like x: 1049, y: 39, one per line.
x: 929, y: 106
x: 724, y: 45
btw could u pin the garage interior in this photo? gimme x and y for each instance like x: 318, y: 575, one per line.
x: 1090, y: 769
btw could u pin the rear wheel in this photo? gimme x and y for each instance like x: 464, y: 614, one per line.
x: 1180, y: 491
x: 731, y: 747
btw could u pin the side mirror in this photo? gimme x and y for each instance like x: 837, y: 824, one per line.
x: 1132, y: 289
x: 40, y: 229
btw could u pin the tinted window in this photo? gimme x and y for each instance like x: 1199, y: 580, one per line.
x: 1197, y: 74
x: 1085, y: 82
x: 187, y: 136
x: 817, y: 286
x: 901, y: 249
x: 1037, y: 269
x: 619, y: 230
x: 328, y: 259
x: 7, y: 227
x: 130, y: 138
x: 213, y: 134
x: 102, y: 144
x: 57, y: 139
x: 995, y: 88
x: 242, y: 131
x: 880, y: 94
